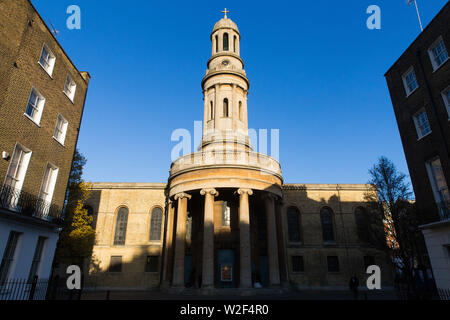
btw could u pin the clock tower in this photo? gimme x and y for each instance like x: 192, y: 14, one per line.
x: 225, y: 89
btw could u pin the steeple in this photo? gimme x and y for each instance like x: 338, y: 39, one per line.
x: 225, y: 89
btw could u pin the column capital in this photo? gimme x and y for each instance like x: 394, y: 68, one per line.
x: 241, y: 191
x: 182, y: 195
x: 211, y: 191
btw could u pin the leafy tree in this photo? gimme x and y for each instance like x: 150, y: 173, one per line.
x: 77, y: 237
x: 393, y: 209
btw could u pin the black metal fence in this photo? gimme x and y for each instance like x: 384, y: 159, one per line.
x: 57, y: 290
x: 30, y: 205
x: 444, y: 294
x: 23, y: 289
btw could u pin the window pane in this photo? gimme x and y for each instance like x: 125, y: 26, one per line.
x: 121, y: 226
x: 36, y: 258
x: 225, y: 41
x: 327, y: 224
x: 115, y: 264
x: 156, y: 224
x: 152, y: 264
x: 333, y: 264
x: 297, y: 264
x: 8, y: 255
x: 226, y: 214
x: 293, y: 217
x: 362, y: 224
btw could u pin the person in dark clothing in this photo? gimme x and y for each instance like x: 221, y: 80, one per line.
x: 353, y: 285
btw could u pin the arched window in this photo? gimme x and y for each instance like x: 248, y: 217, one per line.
x: 234, y: 44
x: 121, y: 227
x: 362, y: 224
x: 225, y: 107
x: 225, y: 42
x: 156, y: 224
x: 211, y: 110
x: 240, y: 110
x: 217, y: 44
x: 326, y: 217
x: 293, y: 219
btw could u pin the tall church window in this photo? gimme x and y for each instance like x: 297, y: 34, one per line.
x: 121, y: 227
x: 225, y: 42
x: 225, y: 107
x: 326, y: 217
x: 240, y: 110
x: 155, y: 224
x: 362, y: 224
x: 211, y: 110
x: 293, y: 217
x: 217, y: 44
x: 234, y: 44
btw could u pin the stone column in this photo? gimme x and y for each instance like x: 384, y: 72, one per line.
x: 216, y: 107
x: 168, y: 253
x: 244, y: 239
x: 208, y: 238
x: 180, y: 241
x: 272, y: 246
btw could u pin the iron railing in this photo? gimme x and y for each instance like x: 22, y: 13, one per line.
x: 444, y: 294
x: 23, y: 289
x: 30, y: 205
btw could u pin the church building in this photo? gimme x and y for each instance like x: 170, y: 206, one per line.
x: 225, y: 219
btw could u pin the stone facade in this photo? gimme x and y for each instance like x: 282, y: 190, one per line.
x: 309, y: 199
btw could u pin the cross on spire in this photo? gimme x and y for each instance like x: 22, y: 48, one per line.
x: 225, y: 12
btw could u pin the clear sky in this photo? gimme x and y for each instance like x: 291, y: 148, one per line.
x: 316, y: 73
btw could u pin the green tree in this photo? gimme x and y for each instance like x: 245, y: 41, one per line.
x: 392, y: 208
x: 77, y: 237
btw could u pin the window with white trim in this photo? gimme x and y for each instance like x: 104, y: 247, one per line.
x: 35, y: 265
x: 421, y: 122
x: 35, y: 106
x: 48, y: 183
x: 47, y: 59
x: 446, y: 98
x: 69, y: 88
x: 18, y: 168
x: 438, y: 53
x: 439, y: 185
x: 61, y: 129
x: 410, y: 81
x: 8, y: 256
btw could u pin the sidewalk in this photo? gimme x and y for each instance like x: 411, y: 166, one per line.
x: 294, y: 295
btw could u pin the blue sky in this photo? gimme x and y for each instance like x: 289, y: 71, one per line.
x: 316, y: 73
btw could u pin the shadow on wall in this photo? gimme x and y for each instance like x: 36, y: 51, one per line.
x: 139, y: 268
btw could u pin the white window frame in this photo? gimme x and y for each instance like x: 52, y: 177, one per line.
x: 17, y: 169
x: 405, y: 83
x: 38, y: 107
x: 70, y: 88
x: 62, y: 129
x: 11, y: 259
x: 439, y: 196
x: 446, y: 100
x: 50, y: 63
x: 419, y: 126
x: 433, y: 57
x: 48, y: 183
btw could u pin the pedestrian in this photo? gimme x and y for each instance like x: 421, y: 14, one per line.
x: 353, y: 285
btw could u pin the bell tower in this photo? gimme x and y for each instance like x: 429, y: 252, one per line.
x: 225, y: 89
